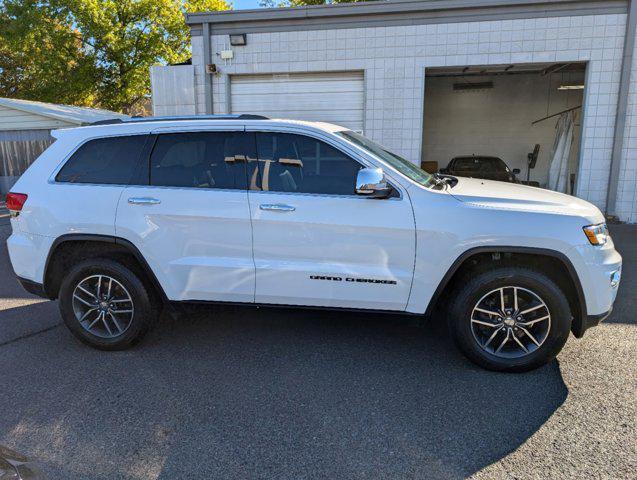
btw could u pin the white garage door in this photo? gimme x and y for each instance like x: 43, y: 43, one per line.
x: 327, y: 97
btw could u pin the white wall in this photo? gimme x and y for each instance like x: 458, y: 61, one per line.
x: 173, y: 90
x: 12, y: 119
x: 498, y: 121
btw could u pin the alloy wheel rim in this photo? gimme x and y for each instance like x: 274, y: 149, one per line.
x: 103, y: 306
x: 510, y: 322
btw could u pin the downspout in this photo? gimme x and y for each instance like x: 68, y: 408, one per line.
x: 622, y: 105
x: 207, y: 59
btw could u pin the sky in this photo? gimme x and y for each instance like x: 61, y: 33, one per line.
x: 245, y: 4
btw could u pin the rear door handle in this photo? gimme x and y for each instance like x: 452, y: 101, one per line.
x: 143, y: 201
x: 277, y: 207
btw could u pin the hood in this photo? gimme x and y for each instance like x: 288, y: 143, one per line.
x: 514, y: 196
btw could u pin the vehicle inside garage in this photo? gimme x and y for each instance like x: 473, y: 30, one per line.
x: 488, y: 119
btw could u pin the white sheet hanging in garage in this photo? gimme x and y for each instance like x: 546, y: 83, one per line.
x: 558, y: 171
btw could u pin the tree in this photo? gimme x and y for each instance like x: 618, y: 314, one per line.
x: 41, y: 57
x: 91, y: 52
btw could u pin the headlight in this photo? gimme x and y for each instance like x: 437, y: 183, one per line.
x: 597, y: 234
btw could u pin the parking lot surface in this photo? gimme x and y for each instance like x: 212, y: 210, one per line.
x: 279, y: 393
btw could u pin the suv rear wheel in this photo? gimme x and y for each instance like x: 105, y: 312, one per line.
x: 105, y: 305
x: 510, y: 319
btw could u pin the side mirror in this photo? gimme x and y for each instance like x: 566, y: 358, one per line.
x: 516, y: 171
x: 370, y: 182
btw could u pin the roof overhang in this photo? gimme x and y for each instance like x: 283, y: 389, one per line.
x: 64, y: 113
x: 393, y: 12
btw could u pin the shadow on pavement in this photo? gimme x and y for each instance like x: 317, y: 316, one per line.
x: 346, y: 396
x: 269, y: 393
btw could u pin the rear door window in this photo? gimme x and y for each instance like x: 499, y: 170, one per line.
x: 201, y: 160
x: 111, y: 161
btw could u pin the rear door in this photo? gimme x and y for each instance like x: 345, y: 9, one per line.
x: 315, y: 241
x: 86, y: 188
x: 191, y: 218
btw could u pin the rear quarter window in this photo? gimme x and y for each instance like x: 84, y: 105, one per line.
x: 111, y: 160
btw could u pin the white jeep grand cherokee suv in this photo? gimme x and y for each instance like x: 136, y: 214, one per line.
x: 116, y: 220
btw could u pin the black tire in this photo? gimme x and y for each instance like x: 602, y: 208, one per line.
x: 145, y: 310
x: 473, y: 288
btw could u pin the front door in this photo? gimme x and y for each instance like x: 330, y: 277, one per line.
x: 315, y: 241
x: 191, y: 220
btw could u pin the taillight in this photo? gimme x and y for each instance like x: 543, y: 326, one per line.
x: 15, y: 202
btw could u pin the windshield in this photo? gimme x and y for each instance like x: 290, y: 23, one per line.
x: 405, y: 167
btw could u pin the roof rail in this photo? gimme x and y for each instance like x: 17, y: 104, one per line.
x: 243, y: 116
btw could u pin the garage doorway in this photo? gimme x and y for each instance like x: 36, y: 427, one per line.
x: 527, y: 115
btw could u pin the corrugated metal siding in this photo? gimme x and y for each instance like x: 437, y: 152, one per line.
x: 11, y: 119
x: 173, y: 90
x: 327, y: 97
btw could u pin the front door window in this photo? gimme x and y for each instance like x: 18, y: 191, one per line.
x: 299, y: 164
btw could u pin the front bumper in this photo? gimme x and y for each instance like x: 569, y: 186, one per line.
x: 599, y: 272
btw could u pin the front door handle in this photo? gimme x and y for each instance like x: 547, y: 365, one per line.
x: 277, y: 207
x: 143, y: 201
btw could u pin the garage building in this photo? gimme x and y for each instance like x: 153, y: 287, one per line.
x: 550, y: 87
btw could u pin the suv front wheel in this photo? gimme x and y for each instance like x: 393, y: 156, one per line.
x: 105, y: 305
x: 510, y: 319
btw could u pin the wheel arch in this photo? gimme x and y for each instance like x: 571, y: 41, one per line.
x: 575, y: 292
x: 84, y: 246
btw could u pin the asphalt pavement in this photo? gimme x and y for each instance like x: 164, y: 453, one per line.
x: 240, y: 392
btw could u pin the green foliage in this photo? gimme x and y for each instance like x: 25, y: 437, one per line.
x: 91, y: 52
x: 40, y: 56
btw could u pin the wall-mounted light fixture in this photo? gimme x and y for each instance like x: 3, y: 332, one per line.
x: 238, y: 39
x: 571, y: 87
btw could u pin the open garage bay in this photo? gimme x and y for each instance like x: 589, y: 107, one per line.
x: 508, y: 112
